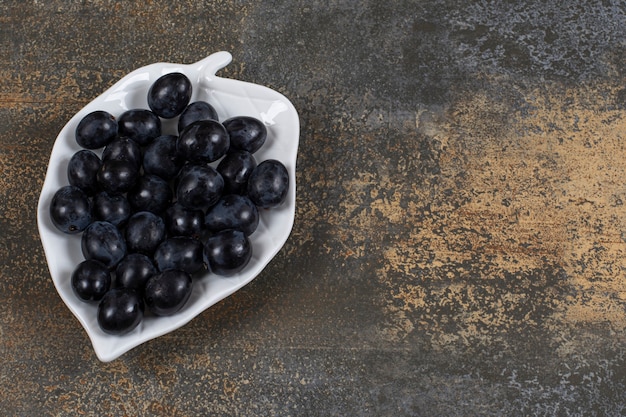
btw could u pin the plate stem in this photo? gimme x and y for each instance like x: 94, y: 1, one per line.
x: 213, y: 63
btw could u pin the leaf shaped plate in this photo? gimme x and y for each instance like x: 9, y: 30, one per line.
x: 230, y: 98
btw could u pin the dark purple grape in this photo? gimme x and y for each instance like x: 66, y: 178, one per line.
x: 246, y: 133
x: 167, y: 292
x: 228, y: 252
x: 183, y: 253
x: 268, y: 184
x: 116, y: 176
x: 96, y: 130
x: 82, y: 171
x: 140, y: 125
x: 203, y: 141
x: 103, y: 242
x: 198, y: 110
x: 91, y: 280
x: 233, y: 211
x: 161, y: 158
x: 144, y: 232
x: 181, y: 221
x: 114, y: 209
x: 133, y: 271
x: 236, y: 168
x: 150, y: 193
x: 199, y: 186
x: 70, y: 209
x: 120, y: 311
x: 169, y: 95
x: 123, y: 149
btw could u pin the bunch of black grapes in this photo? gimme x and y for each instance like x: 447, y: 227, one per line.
x: 153, y: 211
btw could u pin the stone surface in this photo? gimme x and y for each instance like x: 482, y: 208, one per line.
x: 460, y: 232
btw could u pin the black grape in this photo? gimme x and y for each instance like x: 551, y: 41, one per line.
x: 183, y: 253
x: 123, y: 149
x: 140, y: 125
x: 169, y: 95
x: 236, y: 168
x: 161, y: 158
x: 198, y: 110
x: 233, y: 211
x: 268, y: 184
x: 91, y: 280
x: 203, y: 141
x: 144, y: 232
x: 114, y: 209
x: 228, y: 252
x: 96, y: 130
x: 103, y: 242
x: 117, y: 176
x: 82, y: 171
x: 133, y: 271
x: 120, y: 311
x: 181, y: 221
x: 70, y: 210
x: 150, y: 193
x: 167, y: 292
x: 199, y: 186
x: 246, y: 133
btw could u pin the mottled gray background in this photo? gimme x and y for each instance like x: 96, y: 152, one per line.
x: 460, y: 232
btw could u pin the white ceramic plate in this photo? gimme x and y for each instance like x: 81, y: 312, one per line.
x: 230, y: 98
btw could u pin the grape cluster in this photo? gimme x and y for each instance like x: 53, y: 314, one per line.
x: 156, y: 210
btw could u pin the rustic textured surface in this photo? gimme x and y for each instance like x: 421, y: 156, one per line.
x: 460, y: 232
